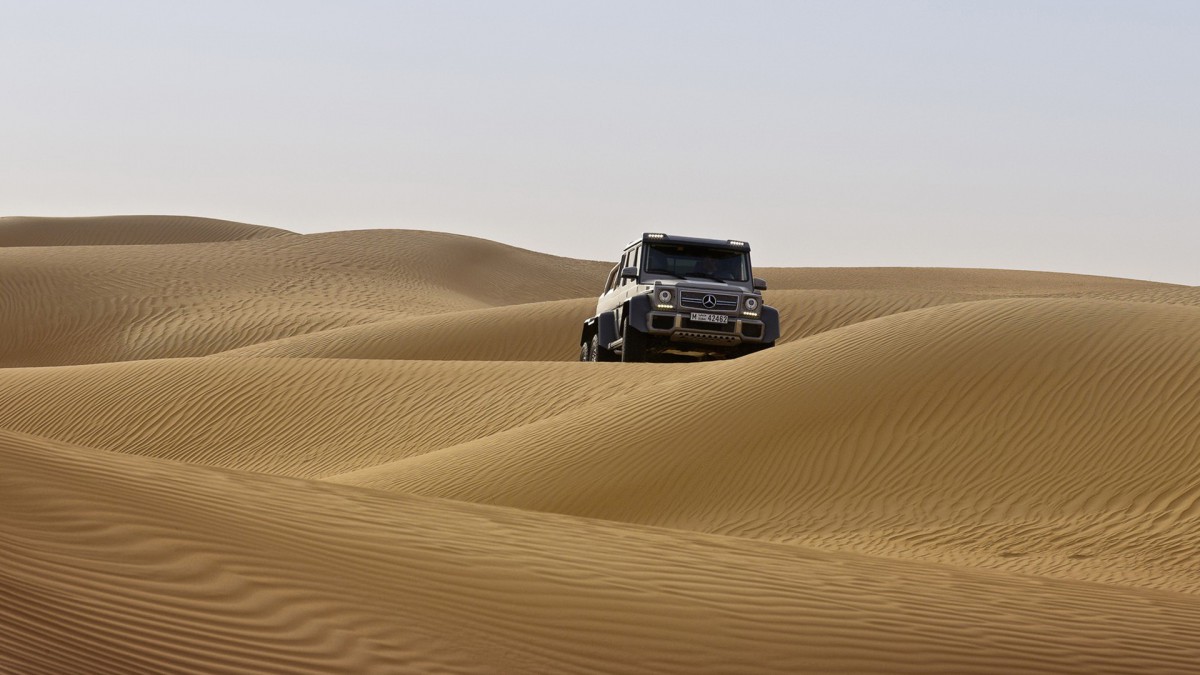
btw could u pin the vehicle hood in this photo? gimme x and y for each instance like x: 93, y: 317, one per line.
x: 706, y: 285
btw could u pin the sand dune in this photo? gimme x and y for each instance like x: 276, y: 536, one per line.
x: 149, y: 302
x: 1171, y: 295
x: 986, y: 282
x: 126, y: 230
x: 236, y: 449
x: 125, y: 564
x: 1055, y: 436
x: 305, y: 418
x: 532, y: 332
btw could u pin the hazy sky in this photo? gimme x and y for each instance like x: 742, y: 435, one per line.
x: 1041, y: 135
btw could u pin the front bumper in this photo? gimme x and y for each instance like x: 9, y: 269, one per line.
x: 678, y: 327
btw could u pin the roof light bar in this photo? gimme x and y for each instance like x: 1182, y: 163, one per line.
x: 735, y: 242
x: 655, y: 235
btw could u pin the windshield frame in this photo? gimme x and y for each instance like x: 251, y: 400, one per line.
x: 671, y: 259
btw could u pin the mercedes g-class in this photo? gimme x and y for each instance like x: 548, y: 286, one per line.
x: 679, y: 298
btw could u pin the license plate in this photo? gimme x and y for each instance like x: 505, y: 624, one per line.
x: 710, y: 318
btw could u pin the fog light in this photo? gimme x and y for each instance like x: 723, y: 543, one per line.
x: 665, y: 306
x: 750, y: 314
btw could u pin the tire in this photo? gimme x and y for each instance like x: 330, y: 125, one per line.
x: 584, y: 354
x: 599, y: 353
x: 634, y: 349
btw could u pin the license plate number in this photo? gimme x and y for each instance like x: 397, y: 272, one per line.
x: 710, y: 318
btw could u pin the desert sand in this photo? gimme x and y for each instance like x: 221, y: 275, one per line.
x: 233, y: 448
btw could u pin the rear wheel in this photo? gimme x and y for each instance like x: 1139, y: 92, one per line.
x: 583, y: 353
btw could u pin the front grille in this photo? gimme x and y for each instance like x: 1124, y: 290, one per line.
x: 695, y: 300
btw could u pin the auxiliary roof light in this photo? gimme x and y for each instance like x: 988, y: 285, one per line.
x: 735, y: 242
x: 655, y: 235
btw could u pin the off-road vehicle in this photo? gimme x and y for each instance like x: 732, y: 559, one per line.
x: 674, y: 297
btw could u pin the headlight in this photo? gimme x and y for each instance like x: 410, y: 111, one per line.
x: 751, y: 304
x: 664, y: 296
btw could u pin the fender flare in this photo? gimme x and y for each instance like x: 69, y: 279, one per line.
x: 770, y: 319
x: 638, y: 312
x: 606, y: 325
x: 589, y: 329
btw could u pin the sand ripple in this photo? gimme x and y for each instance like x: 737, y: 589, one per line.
x: 115, y: 563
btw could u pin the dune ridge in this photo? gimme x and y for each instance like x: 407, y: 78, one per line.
x: 976, y: 281
x: 126, y: 230
x: 527, y: 332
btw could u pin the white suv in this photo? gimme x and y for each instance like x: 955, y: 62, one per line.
x: 681, y: 297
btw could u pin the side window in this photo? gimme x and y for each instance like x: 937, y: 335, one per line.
x: 612, y: 276
x: 622, y: 265
x: 637, y: 257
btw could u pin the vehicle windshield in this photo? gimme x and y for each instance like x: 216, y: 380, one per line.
x: 684, y: 260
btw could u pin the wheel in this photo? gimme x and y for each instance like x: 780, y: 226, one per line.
x: 599, y: 353
x: 583, y: 353
x: 634, y: 349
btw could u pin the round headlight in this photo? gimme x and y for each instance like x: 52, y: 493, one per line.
x: 751, y: 304
x: 664, y: 296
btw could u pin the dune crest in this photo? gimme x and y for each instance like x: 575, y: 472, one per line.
x: 126, y: 231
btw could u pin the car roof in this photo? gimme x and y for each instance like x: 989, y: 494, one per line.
x: 660, y: 238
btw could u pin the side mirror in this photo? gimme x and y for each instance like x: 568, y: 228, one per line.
x: 760, y: 284
x: 629, y: 273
